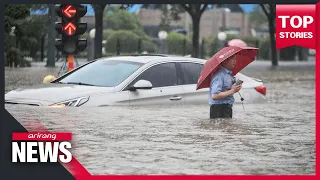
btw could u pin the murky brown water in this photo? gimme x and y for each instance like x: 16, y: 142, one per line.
x: 277, y: 137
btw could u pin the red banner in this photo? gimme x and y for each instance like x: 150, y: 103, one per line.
x: 295, y: 25
x: 41, y: 136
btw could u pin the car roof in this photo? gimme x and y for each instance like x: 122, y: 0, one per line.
x: 152, y: 58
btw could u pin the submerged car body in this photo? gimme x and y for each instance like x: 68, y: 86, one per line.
x: 130, y: 80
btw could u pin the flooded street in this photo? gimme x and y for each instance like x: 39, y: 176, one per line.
x: 277, y: 137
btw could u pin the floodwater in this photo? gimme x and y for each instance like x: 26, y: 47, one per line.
x: 276, y: 137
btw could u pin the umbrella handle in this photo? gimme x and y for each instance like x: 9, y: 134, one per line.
x: 241, y: 100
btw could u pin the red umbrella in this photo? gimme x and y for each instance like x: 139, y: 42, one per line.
x: 244, y: 56
x: 237, y: 42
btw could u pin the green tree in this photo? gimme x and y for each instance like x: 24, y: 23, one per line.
x: 98, y: 13
x: 195, y: 11
x: 32, y: 32
x: 36, y: 27
x: 14, y: 16
x: 127, y: 40
x: 257, y: 17
x: 118, y: 18
x: 178, y: 43
x: 123, y: 20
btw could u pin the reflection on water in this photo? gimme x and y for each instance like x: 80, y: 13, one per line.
x: 277, y: 137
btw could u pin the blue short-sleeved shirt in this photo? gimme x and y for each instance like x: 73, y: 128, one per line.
x: 220, y: 82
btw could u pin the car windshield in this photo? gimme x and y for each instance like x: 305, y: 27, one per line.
x: 107, y: 73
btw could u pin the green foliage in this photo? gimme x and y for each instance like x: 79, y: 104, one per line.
x: 169, y: 13
x: 148, y: 45
x: 107, y: 33
x: 178, y: 44
x: 34, y: 26
x: 285, y: 53
x: 30, y: 45
x: 212, y: 44
x: 39, y: 7
x: 264, y: 49
x: 127, y: 28
x: 119, y: 19
x: 141, y: 34
x: 13, y: 57
x: 17, y: 11
x: 123, y: 20
x: 14, y: 12
x: 29, y: 31
x: 16, y: 16
x: 128, y: 41
x: 175, y: 36
x: 173, y: 10
x: 257, y: 17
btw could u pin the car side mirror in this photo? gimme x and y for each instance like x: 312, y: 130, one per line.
x: 141, y: 84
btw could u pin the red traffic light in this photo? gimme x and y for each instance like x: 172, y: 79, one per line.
x: 70, y: 29
x: 69, y: 11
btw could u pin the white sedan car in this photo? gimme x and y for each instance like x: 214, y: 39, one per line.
x: 130, y: 80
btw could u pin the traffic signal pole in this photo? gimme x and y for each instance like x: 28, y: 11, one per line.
x: 70, y: 29
x: 70, y: 60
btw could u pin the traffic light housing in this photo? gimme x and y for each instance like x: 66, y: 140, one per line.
x: 70, y: 28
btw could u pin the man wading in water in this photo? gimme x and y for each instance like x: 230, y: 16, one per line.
x: 222, y: 88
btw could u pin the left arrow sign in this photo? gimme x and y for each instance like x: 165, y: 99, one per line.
x: 69, y: 11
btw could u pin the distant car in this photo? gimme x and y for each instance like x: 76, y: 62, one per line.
x: 130, y: 80
x: 181, y: 31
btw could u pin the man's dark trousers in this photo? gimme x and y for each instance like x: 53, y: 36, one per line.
x: 220, y: 111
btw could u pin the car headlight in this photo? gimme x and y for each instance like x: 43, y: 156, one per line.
x: 72, y: 102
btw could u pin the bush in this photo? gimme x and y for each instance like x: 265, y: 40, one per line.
x: 178, y: 44
x: 30, y: 46
x: 128, y: 41
x: 25, y: 63
x: 148, y: 45
x: 252, y: 41
x: 13, y: 57
x: 212, y: 44
x: 107, y: 33
x: 264, y: 49
x: 286, y: 54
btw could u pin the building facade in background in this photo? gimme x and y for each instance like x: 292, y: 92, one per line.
x: 212, y: 22
x: 226, y: 18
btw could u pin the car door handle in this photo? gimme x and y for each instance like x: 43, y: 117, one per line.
x: 175, y: 98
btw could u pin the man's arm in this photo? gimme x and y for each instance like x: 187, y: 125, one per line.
x: 216, y: 84
x: 222, y: 95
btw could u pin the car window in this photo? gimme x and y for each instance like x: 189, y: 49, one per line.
x: 160, y: 75
x: 107, y: 73
x: 191, y: 72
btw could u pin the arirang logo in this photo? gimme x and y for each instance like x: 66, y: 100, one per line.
x: 47, y: 151
x: 49, y: 147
